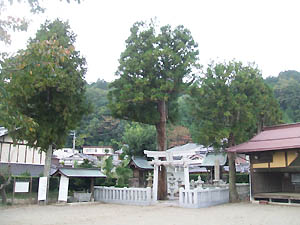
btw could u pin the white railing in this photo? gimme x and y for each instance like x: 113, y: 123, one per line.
x: 198, y: 198
x: 134, y: 196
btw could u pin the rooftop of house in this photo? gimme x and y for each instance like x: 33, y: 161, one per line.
x: 210, y: 158
x: 279, y: 137
x: 190, y: 146
x: 3, y: 131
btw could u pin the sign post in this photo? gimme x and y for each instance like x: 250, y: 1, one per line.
x: 63, y: 189
x: 42, y: 189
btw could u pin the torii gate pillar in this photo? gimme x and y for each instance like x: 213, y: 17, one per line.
x: 155, y: 183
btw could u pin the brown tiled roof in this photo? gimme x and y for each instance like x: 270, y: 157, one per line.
x: 285, y: 136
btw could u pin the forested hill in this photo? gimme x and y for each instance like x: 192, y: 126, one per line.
x: 100, y: 128
x: 287, y: 91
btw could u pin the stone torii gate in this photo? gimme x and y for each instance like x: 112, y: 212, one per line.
x: 166, y: 158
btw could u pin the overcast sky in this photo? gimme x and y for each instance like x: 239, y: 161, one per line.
x: 262, y: 31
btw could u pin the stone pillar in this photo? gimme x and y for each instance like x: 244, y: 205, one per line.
x: 217, y: 170
x: 92, y: 188
x: 186, y: 177
x: 155, y: 182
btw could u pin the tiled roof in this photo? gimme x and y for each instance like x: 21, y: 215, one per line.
x: 188, y: 147
x: 141, y: 163
x: 211, y: 157
x: 80, y: 172
x: 286, y: 136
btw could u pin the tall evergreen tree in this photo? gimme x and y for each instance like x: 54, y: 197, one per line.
x: 153, y: 70
x: 231, y: 103
x: 45, y: 87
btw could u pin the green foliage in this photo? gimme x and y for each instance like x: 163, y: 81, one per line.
x: 139, y: 137
x: 153, y: 68
x: 5, y: 175
x: 287, y: 91
x: 11, y: 23
x: 123, y: 174
x: 25, y: 174
x: 242, y: 178
x: 86, y: 164
x: 231, y: 104
x: 108, y: 166
x: 99, y: 128
x: 45, y: 87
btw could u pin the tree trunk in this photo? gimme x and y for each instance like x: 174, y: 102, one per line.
x: 233, y: 195
x: 6, y: 181
x: 162, y: 146
x: 3, y: 196
x: 47, y: 168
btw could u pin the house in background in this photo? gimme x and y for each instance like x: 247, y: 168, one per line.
x: 77, y: 159
x: 21, y: 158
x: 20, y: 153
x: 64, y: 152
x: 274, y: 163
x: 98, y: 151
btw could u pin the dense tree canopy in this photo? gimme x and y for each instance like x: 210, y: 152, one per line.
x: 153, y: 70
x: 45, y: 84
x: 139, y: 137
x: 99, y: 127
x: 230, y: 104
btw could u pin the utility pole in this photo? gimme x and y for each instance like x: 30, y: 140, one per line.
x: 74, y: 140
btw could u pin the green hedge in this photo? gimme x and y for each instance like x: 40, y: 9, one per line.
x: 242, y: 178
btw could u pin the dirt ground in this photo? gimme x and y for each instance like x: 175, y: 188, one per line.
x: 108, y: 214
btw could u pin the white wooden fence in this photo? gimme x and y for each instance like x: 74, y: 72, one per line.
x: 134, y: 196
x: 198, y: 198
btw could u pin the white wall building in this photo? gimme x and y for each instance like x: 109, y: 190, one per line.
x: 98, y: 150
x: 64, y: 152
x: 20, y: 153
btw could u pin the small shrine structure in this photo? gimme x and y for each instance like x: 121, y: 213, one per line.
x: 140, y: 167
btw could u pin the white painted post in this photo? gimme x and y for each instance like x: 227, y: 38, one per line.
x: 155, y: 182
x: 148, y: 192
x: 196, y: 196
x: 181, y: 196
x: 186, y: 197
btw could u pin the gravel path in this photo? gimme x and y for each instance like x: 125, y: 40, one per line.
x: 108, y: 214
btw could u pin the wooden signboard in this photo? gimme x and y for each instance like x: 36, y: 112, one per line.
x: 42, y: 189
x: 63, y: 188
x: 21, y: 186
